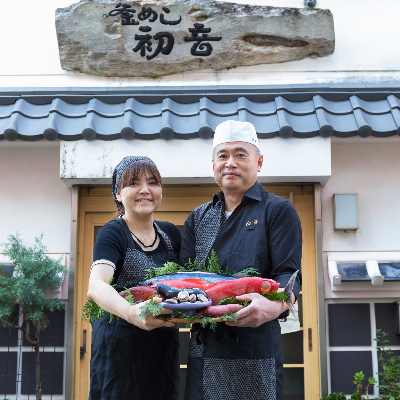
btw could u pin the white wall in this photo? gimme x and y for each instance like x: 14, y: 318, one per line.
x: 33, y: 199
x: 371, y: 169
x: 189, y: 161
x: 366, y: 51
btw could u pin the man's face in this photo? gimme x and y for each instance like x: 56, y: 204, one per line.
x: 235, y: 166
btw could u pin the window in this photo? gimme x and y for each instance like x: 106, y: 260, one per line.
x: 351, y: 329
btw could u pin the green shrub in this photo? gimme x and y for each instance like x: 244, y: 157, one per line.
x: 335, y: 396
x: 389, y: 379
x: 357, y: 395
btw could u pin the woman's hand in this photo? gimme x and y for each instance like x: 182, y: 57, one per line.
x: 149, y: 323
x: 109, y: 300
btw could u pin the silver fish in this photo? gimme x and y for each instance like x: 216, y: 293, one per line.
x: 207, y: 277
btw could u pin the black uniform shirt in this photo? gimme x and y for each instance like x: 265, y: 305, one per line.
x: 263, y: 232
x: 115, y: 246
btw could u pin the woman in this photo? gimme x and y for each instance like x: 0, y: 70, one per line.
x: 132, y: 358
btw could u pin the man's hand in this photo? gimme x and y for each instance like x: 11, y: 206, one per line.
x: 259, y: 311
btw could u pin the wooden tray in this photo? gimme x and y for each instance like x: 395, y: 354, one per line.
x: 197, y: 321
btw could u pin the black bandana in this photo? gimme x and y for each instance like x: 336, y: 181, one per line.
x: 120, y: 168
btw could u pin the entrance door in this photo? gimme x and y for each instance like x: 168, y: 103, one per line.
x: 300, y: 349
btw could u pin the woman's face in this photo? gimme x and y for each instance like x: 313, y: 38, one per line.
x: 143, y: 196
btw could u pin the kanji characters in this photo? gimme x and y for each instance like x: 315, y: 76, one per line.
x: 199, y: 48
x: 146, y: 45
x: 126, y: 11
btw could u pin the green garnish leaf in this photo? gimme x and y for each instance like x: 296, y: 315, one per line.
x: 249, y: 272
x: 229, y: 317
x: 233, y: 300
x: 150, y: 307
x: 91, y: 312
x: 276, y: 296
x: 168, y: 268
x: 207, y: 320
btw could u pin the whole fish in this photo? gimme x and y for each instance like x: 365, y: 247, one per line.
x: 206, y: 277
x: 222, y: 290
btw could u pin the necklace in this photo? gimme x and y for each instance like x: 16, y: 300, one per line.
x: 155, y: 240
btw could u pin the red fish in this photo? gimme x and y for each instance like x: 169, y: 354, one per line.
x: 185, y: 283
x: 139, y: 293
x: 222, y: 290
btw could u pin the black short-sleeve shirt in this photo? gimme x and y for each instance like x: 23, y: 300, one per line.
x: 116, y: 247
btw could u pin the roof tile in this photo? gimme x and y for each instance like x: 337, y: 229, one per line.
x: 76, y: 116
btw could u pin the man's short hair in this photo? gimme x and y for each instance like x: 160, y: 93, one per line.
x: 258, y: 153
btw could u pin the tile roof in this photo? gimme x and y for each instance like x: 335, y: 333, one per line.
x: 164, y: 116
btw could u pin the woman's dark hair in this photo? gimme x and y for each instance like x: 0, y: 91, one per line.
x: 134, y: 172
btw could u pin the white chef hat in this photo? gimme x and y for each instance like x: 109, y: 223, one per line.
x: 235, y: 131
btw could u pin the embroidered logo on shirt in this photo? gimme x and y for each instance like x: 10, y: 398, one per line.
x: 255, y: 222
x: 248, y: 223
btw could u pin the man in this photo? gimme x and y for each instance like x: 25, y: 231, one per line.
x: 246, y: 227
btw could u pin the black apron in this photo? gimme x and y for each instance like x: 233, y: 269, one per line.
x: 129, y: 363
x: 235, y: 363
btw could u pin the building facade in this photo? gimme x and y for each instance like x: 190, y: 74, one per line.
x: 327, y: 126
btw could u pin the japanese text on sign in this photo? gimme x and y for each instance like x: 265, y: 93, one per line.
x: 199, y: 34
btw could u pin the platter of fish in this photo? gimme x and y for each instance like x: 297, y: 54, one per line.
x: 203, y: 294
x: 196, y: 293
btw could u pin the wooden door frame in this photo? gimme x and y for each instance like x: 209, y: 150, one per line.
x: 319, y: 264
x: 98, y: 199
x: 70, y: 361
